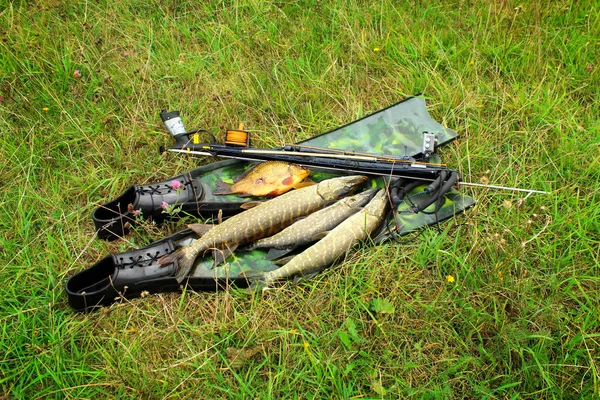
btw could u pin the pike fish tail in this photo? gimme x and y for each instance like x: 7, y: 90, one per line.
x: 337, y: 242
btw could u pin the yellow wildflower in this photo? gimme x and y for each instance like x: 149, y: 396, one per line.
x: 450, y: 279
x: 376, y: 49
x: 45, y: 109
x: 306, y: 345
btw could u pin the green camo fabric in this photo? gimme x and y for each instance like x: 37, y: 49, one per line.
x: 406, y: 222
x: 396, y: 130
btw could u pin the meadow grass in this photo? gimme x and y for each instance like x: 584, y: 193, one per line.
x: 519, y: 81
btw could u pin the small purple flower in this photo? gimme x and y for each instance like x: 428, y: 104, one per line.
x: 136, y: 212
x: 77, y: 74
x: 176, y: 185
x: 164, y: 205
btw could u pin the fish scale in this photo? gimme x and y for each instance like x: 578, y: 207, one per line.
x: 269, y: 178
x: 305, y: 230
x: 263, y: 220
x: 337, y: 242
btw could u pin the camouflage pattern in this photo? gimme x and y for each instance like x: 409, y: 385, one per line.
x: 396, y: 130
x: 408, y: 221
x: 255, y: 260
x: 226, y: 171
x: 263, y: 220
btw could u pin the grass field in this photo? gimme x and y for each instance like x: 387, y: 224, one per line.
x: 520, y: 83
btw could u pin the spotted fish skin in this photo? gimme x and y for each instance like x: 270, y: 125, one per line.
x: 263, y: 220
x: 303, y: 232
x: 270, y: 178
x: 322, y: 254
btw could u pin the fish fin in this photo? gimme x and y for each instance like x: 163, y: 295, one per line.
x: 305, y: 183
x: 287, y: 181
x: 276, y: 193
x: 274, y: 253
x: 244, y: 174
x: 221, y: 255
x: 250, y: 204
x: 180, y: 258
x: 252, y: 275
x: 200, y: 229
x: 298, y: 279
x: 222, y: 188
x: 255, y: 279
x: 320, y: 235
x: 248, y: 247
x: 284, y: 260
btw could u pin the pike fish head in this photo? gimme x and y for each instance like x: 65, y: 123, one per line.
x: 378, y: 204
x: 336, y: 188
x: 359, y: 200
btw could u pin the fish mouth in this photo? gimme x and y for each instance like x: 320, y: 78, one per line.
x: 336, y: 188
x: 355, y: 180
x: 351, y: 184
x: 370, y: 192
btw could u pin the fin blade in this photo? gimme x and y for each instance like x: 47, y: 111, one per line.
x: 221, y: 255
x: 252, y: 275
x: 180, y: 258
x: 275, y: 254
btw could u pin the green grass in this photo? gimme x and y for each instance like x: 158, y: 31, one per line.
x: 520, y: 83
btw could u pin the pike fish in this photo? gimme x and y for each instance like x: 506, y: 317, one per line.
x: 311, y: 228
x: 337, y: 242
x: 270, y: 178
x: 261, y: 221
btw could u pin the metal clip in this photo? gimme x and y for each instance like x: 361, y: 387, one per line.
x: 429, y: 143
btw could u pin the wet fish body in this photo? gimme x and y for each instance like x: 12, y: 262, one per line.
x: 270, y: 178
x: 263, y: 220
x: 337, y: 242
x: 308, y: 229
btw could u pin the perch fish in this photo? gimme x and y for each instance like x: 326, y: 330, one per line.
x: 270, y: 178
